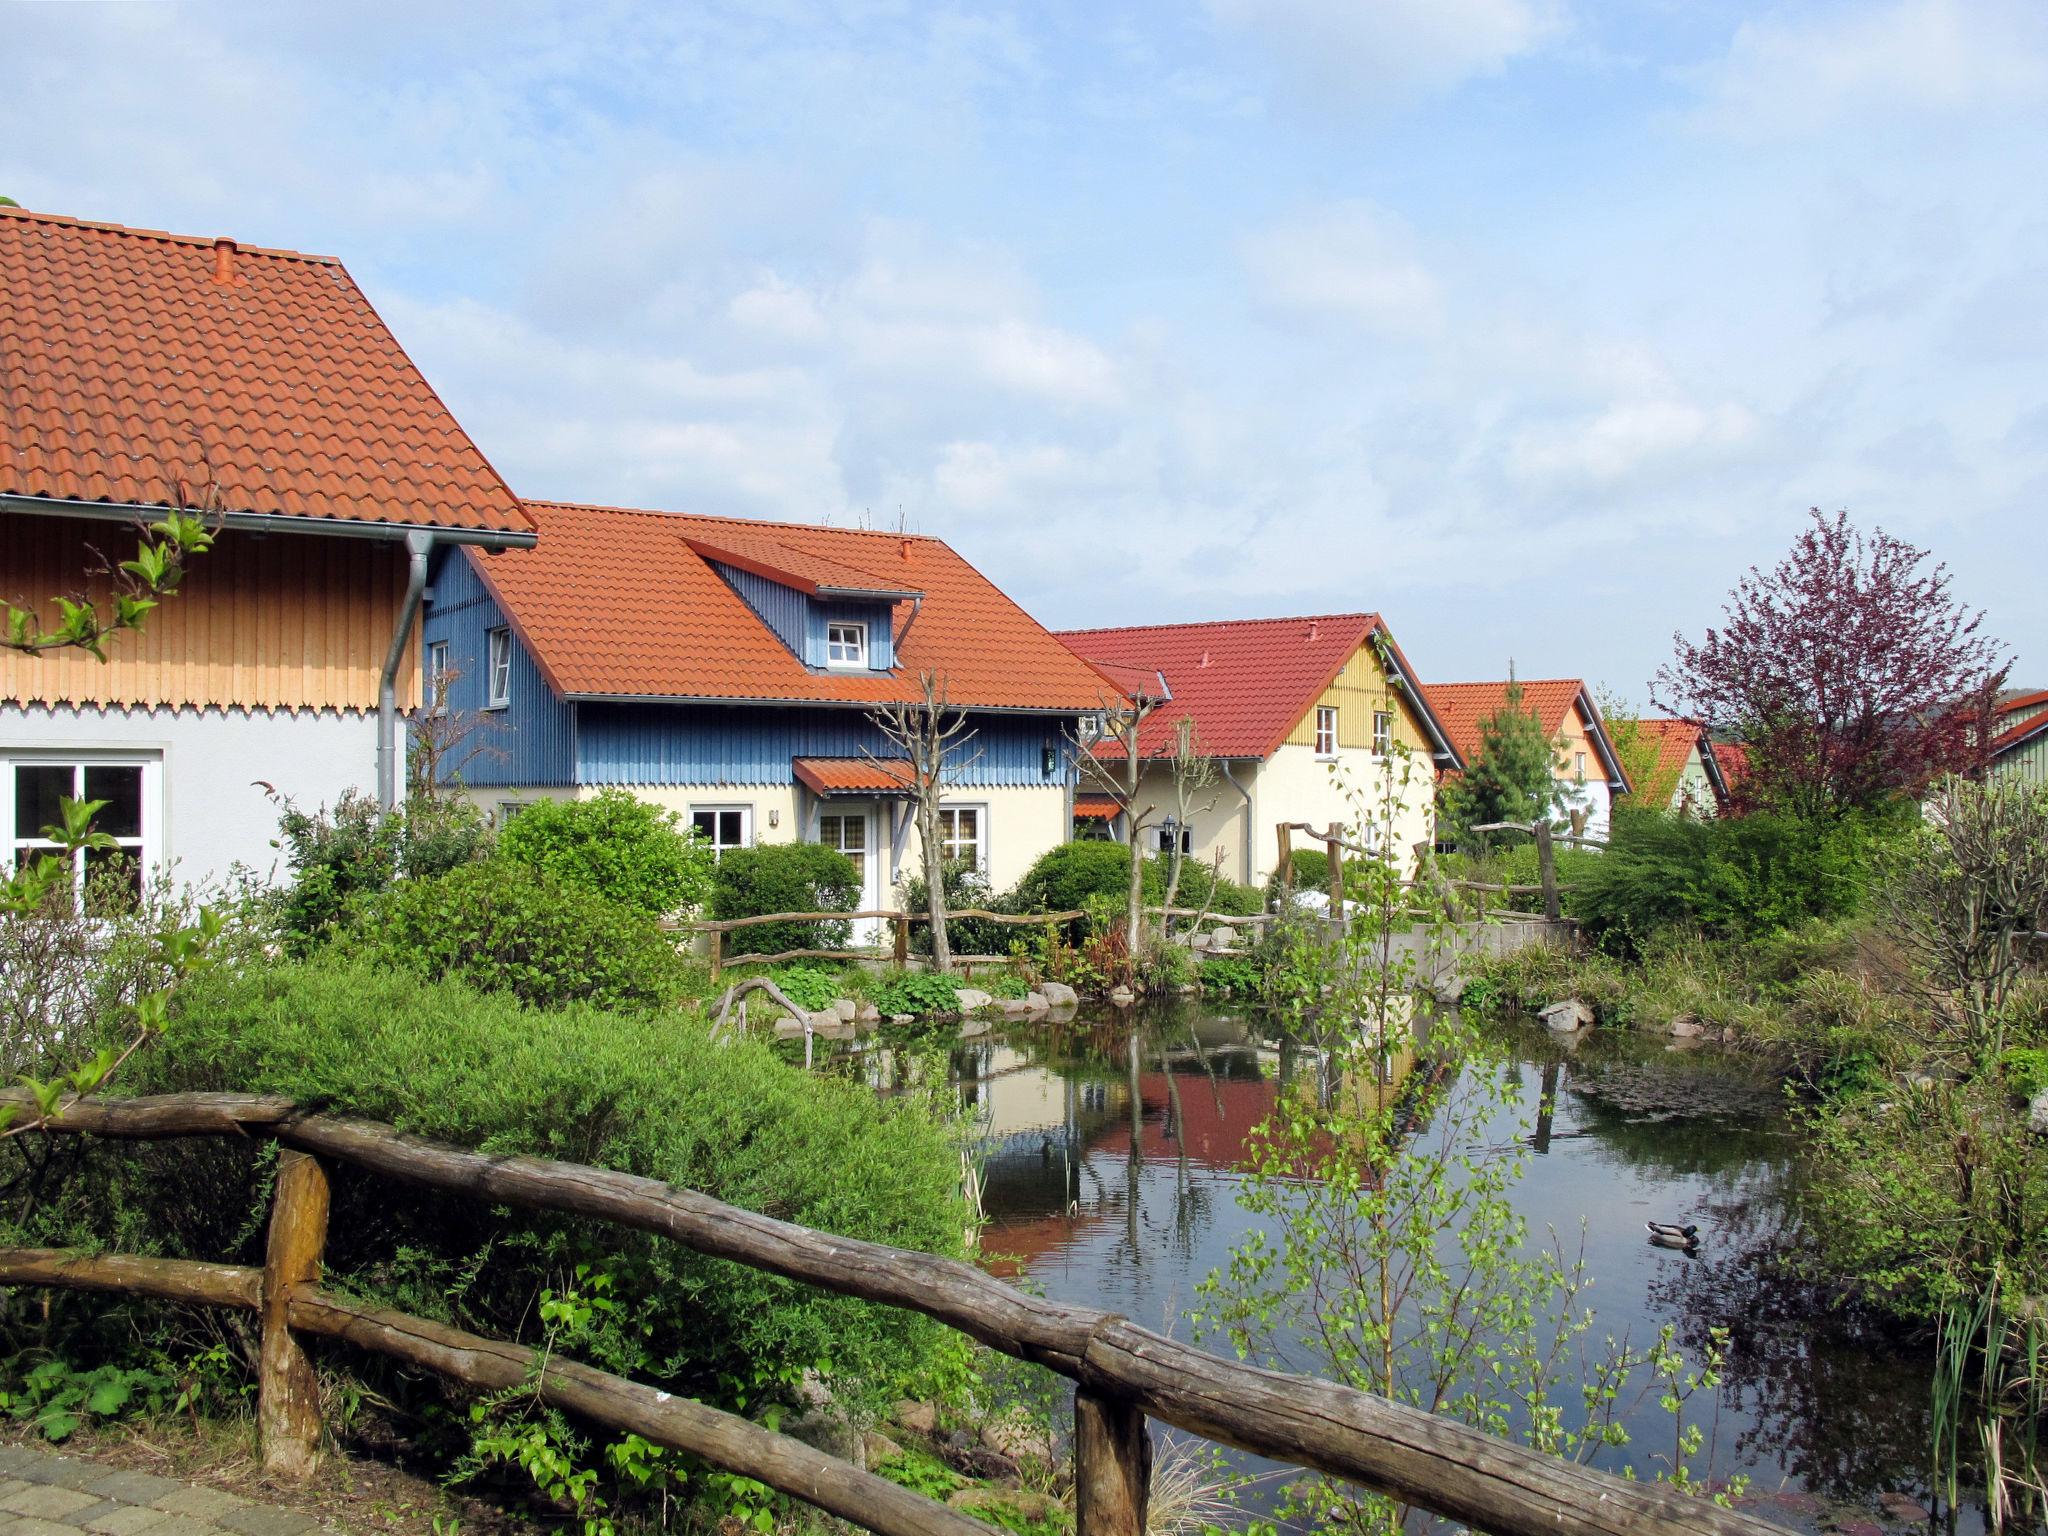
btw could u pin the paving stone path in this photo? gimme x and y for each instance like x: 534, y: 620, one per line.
x: 47, y: 1495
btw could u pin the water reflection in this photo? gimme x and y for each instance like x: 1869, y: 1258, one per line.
x: 1112, y: 1157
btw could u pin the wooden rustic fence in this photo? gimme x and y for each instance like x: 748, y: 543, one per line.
x: 1122, y: 1373
x: 900, y: 923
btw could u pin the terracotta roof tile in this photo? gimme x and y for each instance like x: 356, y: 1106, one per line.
x: 779, y: 560
x: 615, y: 603
x: 130, y: 374
x: 1462, y: 706
x: 853, y: 775
x: 1096, y: 808
x: 1245, y: 682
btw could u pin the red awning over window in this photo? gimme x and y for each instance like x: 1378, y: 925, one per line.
x: 830, y: 776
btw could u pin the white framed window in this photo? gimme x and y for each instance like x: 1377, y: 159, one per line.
x: 1579, y: 763
x: 499, y: 693
x: 723, y: 826
x: 130, y: 784
x: 507, y: 809
x: 1383, y: 732
x: 846, y: 644
x: 848, y: 833
x: 1177, y: 833
x: 1326, y: 730
x: 437, y: 678
x: 963, y: 835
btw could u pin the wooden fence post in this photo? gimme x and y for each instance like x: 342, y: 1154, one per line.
x: 1112, y: 1467
x: 1546, y: 866
x: 902, y: 927
x: 717, y: 952
x: 288, y: 1393
x: 1286, y: 835
x: 1336, y: 851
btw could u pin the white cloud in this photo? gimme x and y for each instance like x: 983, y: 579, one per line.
x: 1627, y: 442
x: 1347, y: 262
x: 1784, y: 75
x: 1365, y: 52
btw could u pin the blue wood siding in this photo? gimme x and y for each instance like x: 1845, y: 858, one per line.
x: 532, y: 741
x: 799, y: 621
x: 712, y: 744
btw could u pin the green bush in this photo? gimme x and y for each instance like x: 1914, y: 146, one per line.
x: 918, y: 992
x: 614, y: 845
x: 2026, y: 1070
x: 1232, y: 976
x: 1729, y: 877
x: 644, y: 1094
x: 503, y: 927
x: 966, y: 887
x: 1064, y: 877
x: 1311, y: 871
x: 1199, y: 888
x: 784, y: 877
x: 337, y: 856
x: 811, y: 986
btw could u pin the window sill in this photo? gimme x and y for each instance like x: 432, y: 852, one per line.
x: 502, y: 704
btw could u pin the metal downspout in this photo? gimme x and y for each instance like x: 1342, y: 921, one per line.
x: 1231, y: 779
x: 418, y: 545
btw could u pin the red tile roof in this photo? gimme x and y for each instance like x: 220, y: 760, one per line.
x: 616, y: 603
x: 1096, y: 808
x: 1733, y: 757
x: 1245, y: 682
x: 1675, y: 740
x: 131, y: 373
x: 1463, y: 706
x: 2029, y: 713
x: 781, y: 561
x: 853, y: 775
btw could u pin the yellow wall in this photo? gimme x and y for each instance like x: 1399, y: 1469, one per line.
x: 1362, y: 689
x: 284, y: 621
x: 1573, y: 738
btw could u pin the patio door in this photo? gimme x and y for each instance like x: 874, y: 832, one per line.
x: 851, y: 830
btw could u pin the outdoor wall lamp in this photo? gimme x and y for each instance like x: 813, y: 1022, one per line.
x: 774, y: 817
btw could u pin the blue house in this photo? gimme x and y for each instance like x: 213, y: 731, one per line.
x: 728, y: 669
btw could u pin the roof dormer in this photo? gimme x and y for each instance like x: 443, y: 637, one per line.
x: 833, y: 617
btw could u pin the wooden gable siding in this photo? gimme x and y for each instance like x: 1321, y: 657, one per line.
x: 275, y: 622
x: 2028, y: 763
x: 1360, y: 691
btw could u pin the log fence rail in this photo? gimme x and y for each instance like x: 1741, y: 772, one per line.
x: 1122, y: 1372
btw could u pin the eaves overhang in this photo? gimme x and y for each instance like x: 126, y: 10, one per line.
x: 269, y: 522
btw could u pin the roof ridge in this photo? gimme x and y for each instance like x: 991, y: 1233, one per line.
x: 1502, y: 682
x: 726, y: 518
x: 203, y: 242
x: 1291, y: 618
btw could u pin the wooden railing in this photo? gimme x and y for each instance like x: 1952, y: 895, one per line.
x: 899, y: 922
x: 1122, y: 1372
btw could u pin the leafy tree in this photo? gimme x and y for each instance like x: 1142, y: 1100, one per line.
x: 1852, y: 673
x: 1638, y: 750
x: 1511, y: 778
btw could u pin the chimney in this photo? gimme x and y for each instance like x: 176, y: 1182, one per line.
x: 1205, y: 658
x: 1312, y: 627
x: 224, y: 261
x: 904, y: 549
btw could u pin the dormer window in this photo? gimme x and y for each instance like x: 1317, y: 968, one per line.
x: 846, y: 644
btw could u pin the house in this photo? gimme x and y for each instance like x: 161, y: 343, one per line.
x: 141, y: 371
x: 1301, y: 717
x: 726, y: 669
x: 2019, y: 745
x: 1587, y: 772
x: 1687, y: 774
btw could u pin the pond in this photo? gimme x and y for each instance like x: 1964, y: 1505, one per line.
x: 1112, y: 1157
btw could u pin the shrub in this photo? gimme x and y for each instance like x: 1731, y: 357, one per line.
x: 614, y: 845
x: 354, y: 850
x: 1064, y: 877
x: 1199, y: 887
x: 2026, y: 1070
x: 785, y: 877
x: 811, y: 987
x: 918, y: 992
x: 1728, y: 877
x: 965, y: 887
x: 504, y: 927
x: 643, y: 1094
x: 1311, y: 871
x: 1233, y: 976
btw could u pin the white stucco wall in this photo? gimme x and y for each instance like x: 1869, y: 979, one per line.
x: 1294, y: 784
x: 209, y: 812
x: 1594, y: 797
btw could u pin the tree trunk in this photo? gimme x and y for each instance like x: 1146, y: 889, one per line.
x: 934, y: 875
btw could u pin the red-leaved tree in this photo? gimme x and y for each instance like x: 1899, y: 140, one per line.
x: 1851, y: 672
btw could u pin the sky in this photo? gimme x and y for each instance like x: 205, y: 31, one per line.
x: 1530, y: 324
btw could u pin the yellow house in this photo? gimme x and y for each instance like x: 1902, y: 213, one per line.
x: 1306, y: 720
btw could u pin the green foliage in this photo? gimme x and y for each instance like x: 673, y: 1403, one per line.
x: 1232, y: 976
x: 917, y: 992
x: 647, y: 1095
x: 1065, y: 877
x: 2025, y: 1068
x: 1311, y: 868
x: 504, y: 927
x: 1729, y: 877
x: 1200, y: 888
x: 355, y: 850
x: 965, y: 887
x: 1510, y: 778
x: 811, y: 987
x: 55, y: 1397
x: 920, y: 1472
x: 614, y: 845
x: 785, y: 877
